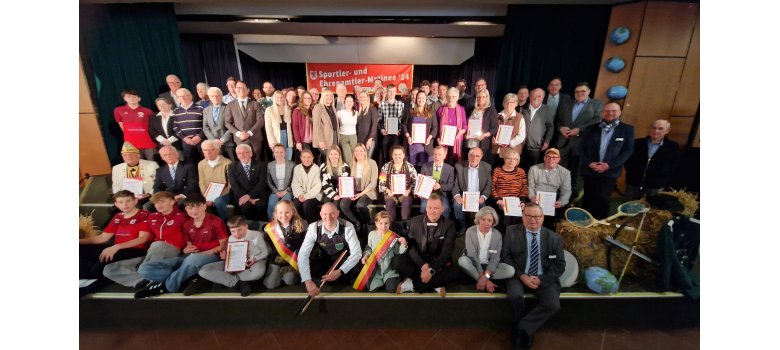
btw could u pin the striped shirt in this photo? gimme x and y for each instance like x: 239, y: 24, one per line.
x: 509, y: 183
x: 188, y: 121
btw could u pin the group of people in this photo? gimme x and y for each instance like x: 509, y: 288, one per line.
x: 553, y: 140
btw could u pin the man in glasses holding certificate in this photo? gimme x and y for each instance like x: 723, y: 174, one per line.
x: 473, y: 184
x: 444, y: 174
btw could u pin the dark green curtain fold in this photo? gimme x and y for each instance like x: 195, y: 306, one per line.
x: 211, y: 58
x: 128, y: 46
x: 542, y: 41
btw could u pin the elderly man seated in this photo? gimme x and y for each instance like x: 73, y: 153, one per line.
x: 126, y: 176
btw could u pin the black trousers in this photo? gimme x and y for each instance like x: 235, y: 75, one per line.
x: 598, y: 190
x: 571, y: 161
x: 549, y: 304
x: 359, y: 215
x: 90, y: 266
x: 309, y: 209
x: 407, y: 268
x: 320, y: 264
x: 530, y: 158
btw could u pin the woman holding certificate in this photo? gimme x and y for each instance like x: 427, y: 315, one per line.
x: 452, y: 125
x: 365, y: 172
x: 285, y: 234
x: 420, y: 130
x: 396, y: 181
x: 301, y: 124
x: 330, y: 171
x: 482, y: 126
x: 347, y: 127
x: 367, y: 123
x: 511, y: 131
x: 509, y: 180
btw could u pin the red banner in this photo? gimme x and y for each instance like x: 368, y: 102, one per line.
x: 320, y: 75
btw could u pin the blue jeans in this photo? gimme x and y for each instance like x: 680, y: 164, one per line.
x: 288, y: 151
x: 460, y: 216
x: 272, y: 200
x: 220, y: 204
x: 445, y: 202
x: 175, y: 271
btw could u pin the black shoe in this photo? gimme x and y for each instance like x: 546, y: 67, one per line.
x: 140, y: 285
x: 152, y: 289
x: 197, y: 286
x: 244, y: 288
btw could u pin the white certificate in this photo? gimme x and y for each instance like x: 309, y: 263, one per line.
x: 448, y: 135
x: 236, y: 256
x: 424, y: 186
x: 391, y: 125
x: 546, y: 200
x: 346, y: 187
x: 504, y: 136
x: 475, y: 128
x: 398, y: 183
x: 213, y: 191
x: 419, y: 133
x: 471, y: 201
x: 513, y: 206
x: 133, y: 185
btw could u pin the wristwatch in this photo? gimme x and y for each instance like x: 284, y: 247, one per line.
x: 487, y: 275
x: 432, y: 271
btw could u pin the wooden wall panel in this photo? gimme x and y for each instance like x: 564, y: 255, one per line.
x: 85, y: 100
x: 92, y: 152
x: 630, y: 16
x: 667, y: 29
x: 687, y: 101
x: 653, y: 86
x: 681, y: 129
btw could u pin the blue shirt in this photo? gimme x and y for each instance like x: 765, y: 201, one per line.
x: 528, y: 239
x: 575, y: 112
x: 652, y: 147
x: 473, y: 185
x: 215, y: 115
x: 606, y: 134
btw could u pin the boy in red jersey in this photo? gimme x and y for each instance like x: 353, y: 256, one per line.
x: 205, y: 235
x: 168, y: 241
x: 130, y: 241
x: 133, y: 119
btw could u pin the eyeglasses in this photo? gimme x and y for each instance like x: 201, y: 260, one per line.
x: 581, y: 91
x: 551, y: 157
x: 535, y: 217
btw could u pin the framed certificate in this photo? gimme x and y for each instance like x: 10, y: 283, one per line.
x: 398, y: 183
x: 346, y: 187
x: 213, y: 190
x: 504, y: 135
x: 513, y: 206
x: 475, y: 128
x: 391, y: 125
x: 424, y: 186
x: 236, y: 256
x: 471, y: 201
x: 419, y: 133
x: 448, y: 135
x: 133, y: 185
x: 546, y: 200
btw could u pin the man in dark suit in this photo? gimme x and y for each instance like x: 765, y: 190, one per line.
x: 244, y: 119
x: 444, y: 174
x: 427, y: 264
x: 176, y: 177
x: 649, y: 169
x: 555, y: 96
x: 249, y: 184
x: 473, y: 175
x: 536, y: 254
x: 605, y: 147
x: 539, y: 130
x: 214, y: 123
x: 174, y: 84
x: 573, y: 117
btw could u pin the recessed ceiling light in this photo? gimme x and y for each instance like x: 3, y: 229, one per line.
x: 260, y: 20
x: 473, y: 23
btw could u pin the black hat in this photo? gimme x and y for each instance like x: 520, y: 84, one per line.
x: 665, y: 202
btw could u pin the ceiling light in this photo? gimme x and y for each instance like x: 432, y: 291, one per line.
x: 473, y: 23
x: 261, y: 20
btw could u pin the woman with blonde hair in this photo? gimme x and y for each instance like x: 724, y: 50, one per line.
x: 347, y: 119
x: 331, y: 170
x: 278, y: 125
x: 367, y: 122
x: 484, y: 121
x: 285, y: 234
x: 302, y: 123
x: 365, y: 172
x: 325, y: 124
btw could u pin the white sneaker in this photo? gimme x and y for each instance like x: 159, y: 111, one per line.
x: 84, y: 283
x: 442, y: 292
x: 405, y: 286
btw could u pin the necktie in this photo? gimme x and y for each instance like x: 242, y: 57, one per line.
x: 173, y: 173
x: 533, y: 270
x: 243, y: 106
x: 215, y: 116
x: 246, y: 169
x: 438, y: 168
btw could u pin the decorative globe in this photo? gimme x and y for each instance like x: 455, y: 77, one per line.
x: 600, y: 280
x: 615, y: 64
x: 619, y: 35
x: 617, y: 92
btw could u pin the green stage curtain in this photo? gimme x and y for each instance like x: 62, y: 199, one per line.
x: 542, y: 41
x: 128, y: 46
